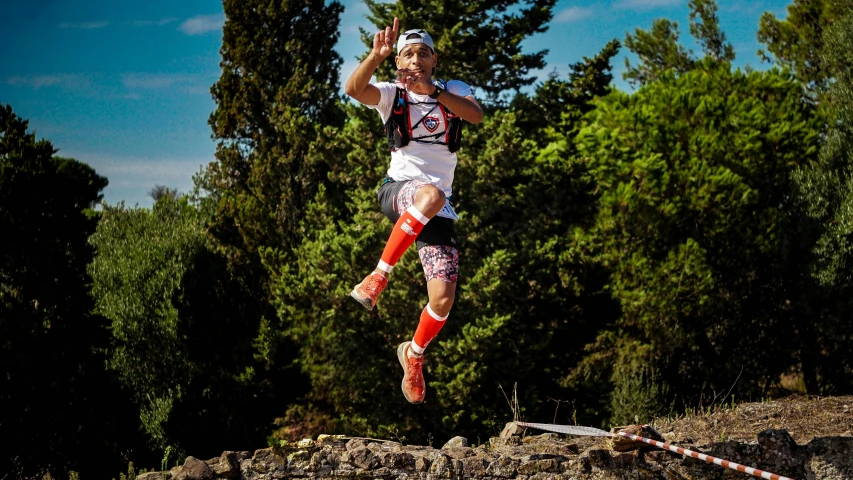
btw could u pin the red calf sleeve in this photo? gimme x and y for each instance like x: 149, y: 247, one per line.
x: 406, y: 230
x: 428, y: 328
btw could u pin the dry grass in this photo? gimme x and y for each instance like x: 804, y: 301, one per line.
x: 803, y: 417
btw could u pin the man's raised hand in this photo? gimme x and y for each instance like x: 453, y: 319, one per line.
x: 383, y: 41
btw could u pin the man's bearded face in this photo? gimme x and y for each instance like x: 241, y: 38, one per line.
x: 419, y: 61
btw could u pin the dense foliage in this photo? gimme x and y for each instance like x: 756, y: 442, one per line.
x: 56, y: 400
x: 179, y: 342
x: 824, y: 192
x: 693, y: 223
x: 623, y: 254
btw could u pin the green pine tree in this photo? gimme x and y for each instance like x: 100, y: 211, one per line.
x: 278, y: 91
x: 279, y: 84
x: 694, y: 221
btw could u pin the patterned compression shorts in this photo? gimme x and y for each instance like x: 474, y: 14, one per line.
x: 436, y: 242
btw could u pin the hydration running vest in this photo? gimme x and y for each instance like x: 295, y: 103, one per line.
x: 399, y: 130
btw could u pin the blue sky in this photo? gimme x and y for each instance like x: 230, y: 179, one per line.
x: 124, y: 86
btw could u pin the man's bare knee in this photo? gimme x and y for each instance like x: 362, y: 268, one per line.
x: 441, y: 295
x: 441, y: 306
x: 429, y: 200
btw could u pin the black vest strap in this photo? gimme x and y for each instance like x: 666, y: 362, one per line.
x: 399, y: 130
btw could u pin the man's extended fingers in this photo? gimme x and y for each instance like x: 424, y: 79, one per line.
x: 389, y: 37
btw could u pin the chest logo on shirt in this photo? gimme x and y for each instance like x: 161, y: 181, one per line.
x: 431, y: 123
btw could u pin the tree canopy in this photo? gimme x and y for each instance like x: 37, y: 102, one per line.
x: 54, y: 392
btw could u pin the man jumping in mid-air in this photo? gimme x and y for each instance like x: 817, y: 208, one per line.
x: 423, y: 121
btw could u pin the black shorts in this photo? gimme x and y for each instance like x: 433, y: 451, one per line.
x: 439, y: 231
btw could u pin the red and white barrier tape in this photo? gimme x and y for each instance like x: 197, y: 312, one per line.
x: 589, y: 431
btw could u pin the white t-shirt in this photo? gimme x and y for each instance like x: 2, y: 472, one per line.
x: 428, y: 162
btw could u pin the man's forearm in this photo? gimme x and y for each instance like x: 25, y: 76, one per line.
x: 360, y: 78
x: 467, y: 109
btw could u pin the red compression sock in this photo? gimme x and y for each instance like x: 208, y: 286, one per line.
x: 428, y: 328
x: 406, y: 230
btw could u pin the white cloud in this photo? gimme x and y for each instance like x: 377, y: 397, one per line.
x: 350, y: 29
x: 155, y: 23
x: 131, y: 177
x: 187, y: 83
x: 354, y: 16
x: 144, y: 171
x: 359, y: 9
x: 154, y: 80
x: 85, y: 25
x: 63, y: 80
x: 201, y: 24
x: 646, y: 4
x: 573, y: 14
x: 101, y: 86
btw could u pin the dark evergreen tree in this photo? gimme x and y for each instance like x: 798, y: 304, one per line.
x: 279, y: 82
x: 658, y: 51
x: 555, y: 109
x: 695, y: 226
x: 278, y: 88
x: 59, y: 410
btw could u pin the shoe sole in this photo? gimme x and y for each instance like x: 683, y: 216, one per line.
x: 365, y: 302
x: 401, y: 356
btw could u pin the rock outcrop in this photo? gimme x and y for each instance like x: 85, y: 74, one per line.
x: 800, y: 437
x: 545, y: 456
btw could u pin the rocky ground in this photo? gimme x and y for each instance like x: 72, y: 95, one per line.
x: 798, y: 437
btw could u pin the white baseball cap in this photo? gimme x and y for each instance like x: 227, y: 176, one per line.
x: 414, y: 36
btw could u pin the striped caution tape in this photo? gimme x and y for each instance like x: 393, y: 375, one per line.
x: 568, y: 429
x: 595, y: 432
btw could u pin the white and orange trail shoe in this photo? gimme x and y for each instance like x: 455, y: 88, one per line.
x: 367, y: 292
x: 414, y: 386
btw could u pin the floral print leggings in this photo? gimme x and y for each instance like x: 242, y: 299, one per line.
x: 439, y: 261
